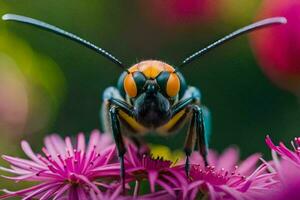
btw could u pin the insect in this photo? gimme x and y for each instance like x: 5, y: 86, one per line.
x: 152, y: 95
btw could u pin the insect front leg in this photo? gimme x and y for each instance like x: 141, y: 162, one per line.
x: 113, y: 103
x: 116, y: 130
x: 196, y: 134
x: 201, y: 132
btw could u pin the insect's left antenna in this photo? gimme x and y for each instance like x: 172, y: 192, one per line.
x: 257, y: 25
x: 58, y: 31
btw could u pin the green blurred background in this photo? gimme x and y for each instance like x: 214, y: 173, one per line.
x: 49, y: 84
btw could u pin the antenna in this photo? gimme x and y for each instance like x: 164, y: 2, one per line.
x: 252, y: 27
x: 58, y: 31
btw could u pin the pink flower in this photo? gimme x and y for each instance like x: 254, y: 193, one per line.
x: 228, y: 160
x: 277, y: 48
x: 287, y: 154
x: 157, y: 171
x: 288, y: 169
x: 64, y: 171
x: 289, y: 175
x: 170, y: 13
x: 223, y: 179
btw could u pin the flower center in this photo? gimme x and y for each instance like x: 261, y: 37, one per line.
x: 155, y: 163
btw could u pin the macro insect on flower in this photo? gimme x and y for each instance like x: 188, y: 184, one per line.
x: 152, y: 95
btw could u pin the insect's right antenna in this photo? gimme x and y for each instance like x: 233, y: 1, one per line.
x: 257, y: 25
x: 58, y: 31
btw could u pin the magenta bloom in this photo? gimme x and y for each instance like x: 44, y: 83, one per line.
x: 287, y: 154
x: 223, y: 179
x: 170, y: 13
x: 75, y: 171
x: 277, y: 48
x: 64, y: 172
x: 288, y: 168
x: 157, y: 171
x: 228, y: 160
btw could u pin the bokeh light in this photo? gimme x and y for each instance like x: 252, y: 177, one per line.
x: 277, y: 48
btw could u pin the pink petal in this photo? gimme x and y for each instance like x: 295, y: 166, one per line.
x: 132, y: 156
x: 270, y: 143
x: 61, y: 191
x: 116, y: 193
x: 24, y: 191
x: 19, y: 178
x: 69, y: 146
x: 212, y: 158
x: 166, y: 187
x: 24, y: 164
x: 81, y: 193
x: 152, y: 176
x: 94, y: 139
x: 232, y: 192
x: 14, y: 171
x: 228, y: 159
x: 72, y: 194
x: 93, y: 196
x: 212, y: 193
x: 28, y: 151
x: 81, y: 142
x: 105, y: 141
x: 248, y: 165
x: 49, y: 193
x: 40, y: 190
x: 55, y: 145
x: 286, y: 152
x: 89, y: 183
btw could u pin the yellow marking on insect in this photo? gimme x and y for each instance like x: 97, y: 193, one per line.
x: 163, y: 130
x: 151, y: 68
x: 132, y: 122
x: 152, y: 71
x: 173, y: 85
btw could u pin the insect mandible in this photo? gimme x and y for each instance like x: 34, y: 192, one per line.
x: 152, y: 95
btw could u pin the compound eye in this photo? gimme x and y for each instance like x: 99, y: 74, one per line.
x: 173, y: 85
x: 130, y: 86
x: 169, y: 83
x: 140, y: 81
x: 162, y: 80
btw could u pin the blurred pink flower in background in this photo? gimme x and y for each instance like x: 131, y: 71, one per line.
x: 31, y: 87
x: 179, y: 12
x: 277, y: 48
x: 14, y: 106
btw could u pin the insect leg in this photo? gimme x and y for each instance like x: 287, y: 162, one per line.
x: 200, y: 132
x: 207, y: 123
x: 115, y: 124
x: 113, y: 103
x: 196, y: 132
x: 189, y: 143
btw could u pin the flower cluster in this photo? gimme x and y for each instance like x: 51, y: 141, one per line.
x: 74, y: 170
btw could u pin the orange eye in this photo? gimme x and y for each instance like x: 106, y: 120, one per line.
x: 130, y: 86
x: 173, y: 85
